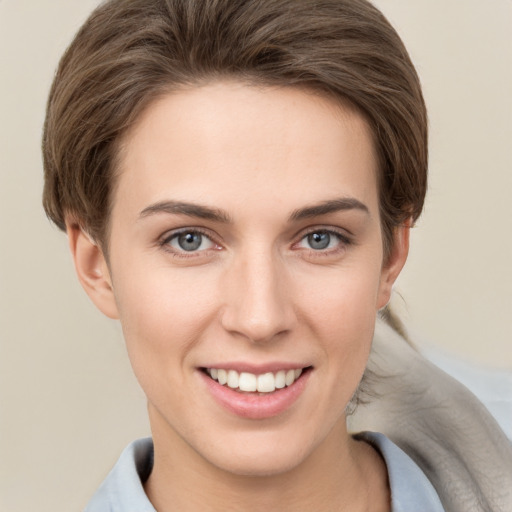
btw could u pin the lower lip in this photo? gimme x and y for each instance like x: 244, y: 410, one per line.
x: 253, y: 405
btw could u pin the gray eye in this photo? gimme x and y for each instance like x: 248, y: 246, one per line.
x: 319, y: 241
x: 190, y: 241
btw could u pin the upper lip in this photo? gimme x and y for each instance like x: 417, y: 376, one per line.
x: 257, y: 369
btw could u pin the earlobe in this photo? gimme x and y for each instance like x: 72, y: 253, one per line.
x: 92, y: 270
x: 395, y: 262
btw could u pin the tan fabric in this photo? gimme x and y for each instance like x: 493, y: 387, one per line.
x: 441, y: 425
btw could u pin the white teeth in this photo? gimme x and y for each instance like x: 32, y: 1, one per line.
x: 280, y: 379
x: 222, y: 376
x: 249, y: 382
x: 266, y: 383
x: 233, y: 379
x: 290, y: 377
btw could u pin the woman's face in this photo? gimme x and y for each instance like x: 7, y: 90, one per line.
x: 246, y: 244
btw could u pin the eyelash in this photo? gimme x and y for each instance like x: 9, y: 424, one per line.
x: 343, y: 241
x: 164, y: 243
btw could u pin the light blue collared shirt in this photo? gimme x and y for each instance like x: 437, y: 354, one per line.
x: 123, y: 491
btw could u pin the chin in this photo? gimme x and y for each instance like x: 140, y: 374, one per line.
x: 261, y: 465
x: 261, y: 454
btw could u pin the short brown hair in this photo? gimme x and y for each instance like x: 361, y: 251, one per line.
x: 131, y: 51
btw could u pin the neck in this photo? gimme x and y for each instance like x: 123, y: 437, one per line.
x: 340, y: 475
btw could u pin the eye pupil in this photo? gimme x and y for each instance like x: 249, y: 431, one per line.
x: 190, y: 241
x: 319, y: 240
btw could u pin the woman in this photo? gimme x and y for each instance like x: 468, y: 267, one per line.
x: 237, y: 181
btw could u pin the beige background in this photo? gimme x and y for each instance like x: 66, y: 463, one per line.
x: 68, y: 402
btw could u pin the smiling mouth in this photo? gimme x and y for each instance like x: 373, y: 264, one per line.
x: 246, y: 382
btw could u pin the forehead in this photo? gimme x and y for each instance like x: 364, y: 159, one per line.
x: 233, y: 142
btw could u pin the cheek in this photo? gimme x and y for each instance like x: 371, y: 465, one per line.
x: 341, y: 299
x: 163, y: 312
x: 342, y: 314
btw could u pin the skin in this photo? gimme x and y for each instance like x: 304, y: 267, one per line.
x: 256, y: 291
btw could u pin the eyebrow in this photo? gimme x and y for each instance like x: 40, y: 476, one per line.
x: 330, y: 206
x: 218, y: 215
x: 189, y: 209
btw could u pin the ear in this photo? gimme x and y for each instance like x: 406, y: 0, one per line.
x: 394, y: 263
x: 92, y: 270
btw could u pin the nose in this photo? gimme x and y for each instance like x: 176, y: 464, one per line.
x: 258, y: 303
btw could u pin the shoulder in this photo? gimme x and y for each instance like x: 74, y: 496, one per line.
x: 441, y: 426
x: 410, y: 487
x: 123, y: 488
